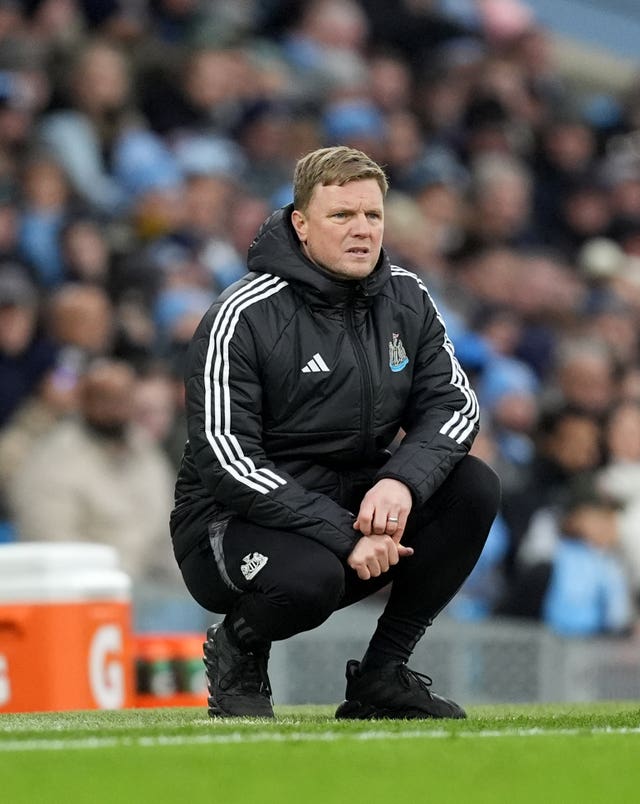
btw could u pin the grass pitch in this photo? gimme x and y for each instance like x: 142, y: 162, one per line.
x: 564, y: 753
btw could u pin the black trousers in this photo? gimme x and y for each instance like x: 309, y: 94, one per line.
x: 274, y: 584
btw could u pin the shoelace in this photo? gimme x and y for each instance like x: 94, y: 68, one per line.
x: 251, y: 671
x: 407, y: 676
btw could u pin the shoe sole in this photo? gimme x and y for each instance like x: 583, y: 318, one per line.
x: 215, y: 712
x: 354, y: 710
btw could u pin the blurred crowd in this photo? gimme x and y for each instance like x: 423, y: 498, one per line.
x: 142, y: 143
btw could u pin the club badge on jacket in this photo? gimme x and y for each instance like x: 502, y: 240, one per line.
x: 397, y: 355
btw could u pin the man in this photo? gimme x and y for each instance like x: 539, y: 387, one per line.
x: 95, y: 477
x: 289, y: 503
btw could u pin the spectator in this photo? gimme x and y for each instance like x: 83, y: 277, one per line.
x: 583, y: 213
x: 81, y: 317
x: 356, y: 123
x: 117, y: 490
x: 568, y: 445
x: 262, y: 133
x: 565, y: 156
x: 485, y: 586
x: 629, y: 385
x: 501, y: 202
x: 613, y: 321
x: 25, y: 354
x: 324, y: 47
x: 85, y: 251
x: 508, y: 389
x: 155, y: 406
x: 585, y: 375
x: 55, y: 397
x: 213, y: 170
x: 27, y: 358
x: 9, y: 220
x: 391, y: 82
x: 415, y: 29
x: 619, y: 478
x: 45, y: 205
x: 438, y: 183
x: 205, y: 98
x: 588, y: 592
x: 84, y: 134
x: 404, y: 144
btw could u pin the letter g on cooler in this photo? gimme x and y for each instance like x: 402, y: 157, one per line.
x: 5, y: 683
x: 106, y: 669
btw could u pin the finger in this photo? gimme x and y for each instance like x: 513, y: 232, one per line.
x: 393, y: 523
x: 392, y: 554
x: 359, y: 567
x: 374, y: 568
x: 404, y: 551
x: 398, y: 533
x: 380, y: 522
x: 365, y: 515
x: 383, y: 562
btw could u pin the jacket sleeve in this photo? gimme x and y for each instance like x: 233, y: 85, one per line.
x: 224, y: 413
x: 441, y: 418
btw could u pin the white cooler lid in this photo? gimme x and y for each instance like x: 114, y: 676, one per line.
x: 61, y: 571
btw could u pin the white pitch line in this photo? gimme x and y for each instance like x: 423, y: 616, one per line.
x: 238, y: 738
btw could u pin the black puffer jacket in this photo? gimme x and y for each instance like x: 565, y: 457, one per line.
x: 297, y: 382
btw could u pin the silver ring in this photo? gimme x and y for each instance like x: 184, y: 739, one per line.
x: 392, y: 519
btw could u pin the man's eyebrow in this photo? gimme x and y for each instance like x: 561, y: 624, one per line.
x: 351, y: 208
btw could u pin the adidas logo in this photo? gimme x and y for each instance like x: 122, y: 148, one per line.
x: 316, y: 364
x: 251, y: 565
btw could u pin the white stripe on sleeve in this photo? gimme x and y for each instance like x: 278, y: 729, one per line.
x: 217, y: 394
x: 463, y: 421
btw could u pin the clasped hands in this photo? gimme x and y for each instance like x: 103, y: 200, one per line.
x: 381, y: 519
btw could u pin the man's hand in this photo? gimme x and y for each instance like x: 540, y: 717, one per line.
x: 381, y: 519
x: 384, y: 510
x: 374, y: 554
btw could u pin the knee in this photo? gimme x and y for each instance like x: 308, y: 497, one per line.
x: 316, y: 591
x: 479, y: 487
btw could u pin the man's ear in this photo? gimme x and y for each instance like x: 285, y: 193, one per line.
x: 299, y: 222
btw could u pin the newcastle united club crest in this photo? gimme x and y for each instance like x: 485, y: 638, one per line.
x: 397, y: 356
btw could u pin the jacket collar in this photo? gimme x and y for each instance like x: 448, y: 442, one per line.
x: 276, y: 250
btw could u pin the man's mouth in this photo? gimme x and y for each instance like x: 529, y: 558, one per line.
x: 358, y: 250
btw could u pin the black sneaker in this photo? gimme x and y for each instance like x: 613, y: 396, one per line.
x: 392, y: 691
x: 238, y: 682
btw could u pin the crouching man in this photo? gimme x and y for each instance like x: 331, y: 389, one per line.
x: 290, y: 501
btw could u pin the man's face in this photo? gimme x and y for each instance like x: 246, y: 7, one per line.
x: 341, y: 230
x: 17, y: 325
x: 107, y: 400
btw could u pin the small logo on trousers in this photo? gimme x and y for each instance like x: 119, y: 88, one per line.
x: 251, y: 565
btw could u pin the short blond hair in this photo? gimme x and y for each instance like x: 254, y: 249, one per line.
x: 336, y: 165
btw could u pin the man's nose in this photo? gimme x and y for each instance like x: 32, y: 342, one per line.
x: 361, y: 225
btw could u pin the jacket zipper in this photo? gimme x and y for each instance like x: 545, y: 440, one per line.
x: 366, y: 386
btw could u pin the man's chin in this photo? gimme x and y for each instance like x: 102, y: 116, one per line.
x: 356, y: 270
x: 348, y: 270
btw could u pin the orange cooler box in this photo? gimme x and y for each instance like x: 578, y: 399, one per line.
x: 65, y: 628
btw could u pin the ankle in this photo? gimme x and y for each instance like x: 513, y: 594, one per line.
x: 375, y: 660
x: 243, y: 638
